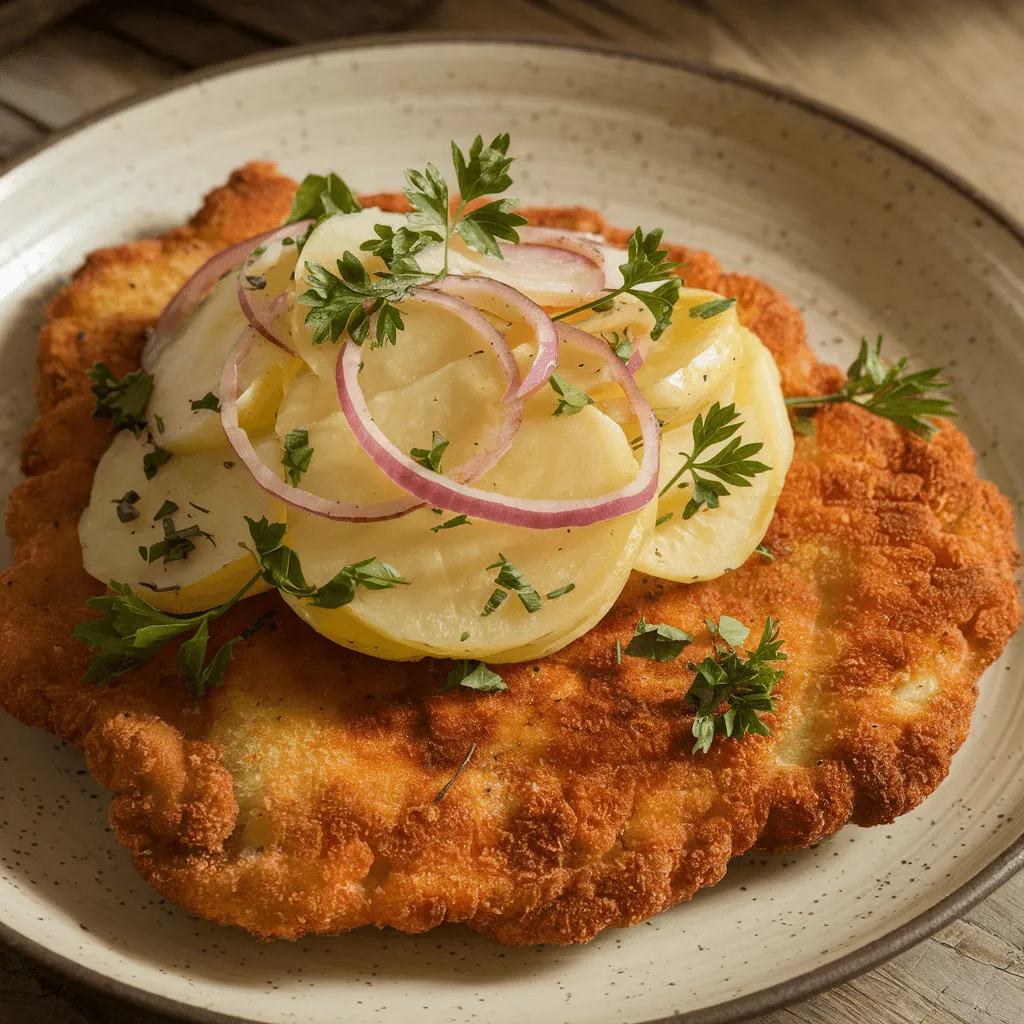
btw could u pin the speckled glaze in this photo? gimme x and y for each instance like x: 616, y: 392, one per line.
x: 865, y: 237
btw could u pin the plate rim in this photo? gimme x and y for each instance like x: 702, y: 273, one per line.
x: 732, y: 1011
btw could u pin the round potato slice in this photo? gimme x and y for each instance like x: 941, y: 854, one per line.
x: 715, y: 541
x: 189, y: 368
x: 450, y: 581
x: 692, y: 362
x: 210, y: 491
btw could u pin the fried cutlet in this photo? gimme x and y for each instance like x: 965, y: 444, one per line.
x: 300, y: 796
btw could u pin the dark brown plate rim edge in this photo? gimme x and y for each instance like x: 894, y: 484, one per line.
x: 732, y: 1011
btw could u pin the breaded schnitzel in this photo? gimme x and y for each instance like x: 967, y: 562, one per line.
x: 301, y: 796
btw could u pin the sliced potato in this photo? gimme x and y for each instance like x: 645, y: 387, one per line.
x: 555, y: 457
x: 215, y: 570
x: 190, y: 366
x: 688, y: 366
x: 715, y: 541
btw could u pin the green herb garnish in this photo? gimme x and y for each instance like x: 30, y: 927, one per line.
x: 122, y: 401
x: 439, y: 796
x: 745, y: 684
x: 570, y: 399
x: 281, y: 568
x: 177, y: 545
x: 706, y: 310
x: 887, y: 391
x: 474, y: 675
x: 208, y: 401
x: 153, y: 460
x: 347, y: 303
x: 430, y: 458
x: 663, y: 519
x: 297, y: 456
x: 561, y: 591
x: 131, y: 631
x: 126, y: 510
x: 731, y: 464
x: 621, y: 345
x: 657, y: 642
x: 318, y: 197
x: 765, y: 552
x: 450, y: 524
x: 493, y: 602
x: 511, y: 578
x: 646, y: 263
x: 168, y: 508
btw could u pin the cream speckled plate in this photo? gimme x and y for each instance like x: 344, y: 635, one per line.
x: 864, y: 235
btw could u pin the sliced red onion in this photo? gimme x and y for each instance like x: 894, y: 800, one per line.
x: 260, y: 308
x: 191, y: 293
x: 267, y: 478
x: 562, y: 238
x: 504, y: 301
x: 531, y: 513
x: 348, y: 511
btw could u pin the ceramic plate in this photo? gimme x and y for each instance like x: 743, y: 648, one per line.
x: 864, y: 235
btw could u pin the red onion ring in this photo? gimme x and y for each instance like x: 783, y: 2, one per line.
x: 348, y: 511
x: 195, y: 288
x: 532, y: 513
x: 561, y: 238
x: 504, y: 301
x: 260, y: 309
x: 295, y: 497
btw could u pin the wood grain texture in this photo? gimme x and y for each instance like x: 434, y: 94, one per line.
x: 947, y: 77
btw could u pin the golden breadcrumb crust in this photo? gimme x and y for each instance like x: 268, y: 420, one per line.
x: 299, y: 797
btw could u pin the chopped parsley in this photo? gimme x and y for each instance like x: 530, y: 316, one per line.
x: 571, y: 399
x: 657, y: 642
x: 126, y: 510
x: 561, y: 591
x: 208, y: 401
x: 168, y: 508
x: 464, y: 637
x: 511, y: 578
x: 493, y: 602
x: 280, y: 567
x: 765, y: 551
x: 663, y: 519
x: 474, y: 675
x: 153, y: 460
x: 297, y: 456
x: 745, y: 684
x: 430, y: 458
x: 450, y: 524
x: 122, y: 401
x: 621, y: 345
x: 731, y: 464
x: 458, y: 771
x: 706, y: 310
x: 177, y: 545
x: 887, y: 391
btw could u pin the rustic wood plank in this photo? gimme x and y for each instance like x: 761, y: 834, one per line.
x: 301, y: 21
x: 17, y: 133
x: 189, y: 36
x: 22, y: 19
x: 73, y: 71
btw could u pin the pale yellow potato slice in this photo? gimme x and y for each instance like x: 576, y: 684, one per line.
x: 212, y: 573
x: 716, y: 541
x: 692, y: 362
x: 190, y: 365
x: 555, y: 457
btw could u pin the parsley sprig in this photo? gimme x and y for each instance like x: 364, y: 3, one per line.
x: 745, y: 684
x: 280, y: 567
x: 732, y: 464
x: 646, y: 263
x: 124, y: 400
x: 346, y: 303
x: 888, y: 391
x: 318, y: 197
x: 131, y: 631
x: 430, y: 458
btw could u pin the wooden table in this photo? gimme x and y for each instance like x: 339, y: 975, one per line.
x: 948, y: 77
